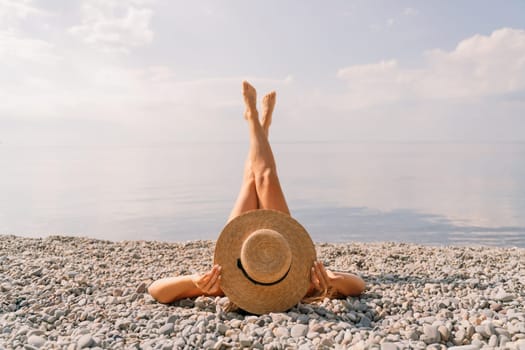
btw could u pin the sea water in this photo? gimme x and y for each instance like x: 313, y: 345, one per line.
x: 430, y: 193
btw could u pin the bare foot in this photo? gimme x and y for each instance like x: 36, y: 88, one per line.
x: 268, y: 104
x: 250, y: 101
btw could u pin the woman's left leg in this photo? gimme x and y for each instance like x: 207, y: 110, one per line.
x: 247, y: 199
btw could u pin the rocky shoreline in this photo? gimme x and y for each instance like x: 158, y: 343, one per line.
x: 73, y: 293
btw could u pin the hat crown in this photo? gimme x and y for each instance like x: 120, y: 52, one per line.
x: 266, y: 256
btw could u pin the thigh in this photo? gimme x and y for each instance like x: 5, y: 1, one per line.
x: 270, y: 193
x: 246, y: 201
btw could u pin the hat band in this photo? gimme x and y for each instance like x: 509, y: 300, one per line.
x: 239, y: 265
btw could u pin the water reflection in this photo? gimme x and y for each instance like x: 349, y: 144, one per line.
x: 401, y: 225
x: 425, y: 193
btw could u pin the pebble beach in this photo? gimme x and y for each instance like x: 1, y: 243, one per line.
x: 64, y: 292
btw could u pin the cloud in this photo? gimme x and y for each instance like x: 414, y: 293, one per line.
x: 12, y: 11
x: 111, y: 91
x: 14, y: 47
x: 113, y: 25
x: 409, y: 11
x: 134, y: 105
x: 478, y: 66
x: 14, y: 44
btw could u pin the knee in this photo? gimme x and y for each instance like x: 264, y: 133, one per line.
x: 265, y: 176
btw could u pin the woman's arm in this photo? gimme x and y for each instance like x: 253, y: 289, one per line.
x: 334, y: 284
x: 346, y: 284
x: 170, y: 289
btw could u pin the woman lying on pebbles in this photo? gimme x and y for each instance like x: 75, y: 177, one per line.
x: 260, y: 190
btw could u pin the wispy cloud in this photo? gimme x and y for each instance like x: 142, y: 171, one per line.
x: 14, y: 47
x: 478, y: 66
x: 12, y: 11
x: 409, y: 11
x: 113, y: 25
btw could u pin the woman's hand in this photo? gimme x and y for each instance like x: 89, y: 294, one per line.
x: 319, y: 278
x: 209, y: 283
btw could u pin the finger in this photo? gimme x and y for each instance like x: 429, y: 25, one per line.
x: 201, y: 281
x: 217, y: 283
x: 324, y: 274
x: 322, y: 280
x: 212, y: 280
x: 315, y: 279
x: 216, y: 286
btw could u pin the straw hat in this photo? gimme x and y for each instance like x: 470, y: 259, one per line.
x: 266, y: 257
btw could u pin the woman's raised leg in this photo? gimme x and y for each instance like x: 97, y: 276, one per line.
x: 247, y: 199
x: 260, y: 188
x: 267, y: 185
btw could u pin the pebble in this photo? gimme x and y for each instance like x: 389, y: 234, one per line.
x: 504, y: 296
x: 167, y: 329
x: 85, y: 341
x: 281, y: 332
x: 430, y: 334
x: 299, y: 330
x: 36, y: 341
x: 141, y: 288
x: 444, y: 333
x: 417, y: 297
x: 37, y: 272
x: 244, y: 340
x: 389, y: 346
x: 364, y: 322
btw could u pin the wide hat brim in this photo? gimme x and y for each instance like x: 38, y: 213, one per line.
x: 253, y: 297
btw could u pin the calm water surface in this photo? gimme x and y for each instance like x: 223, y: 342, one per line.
x: 430, y: 193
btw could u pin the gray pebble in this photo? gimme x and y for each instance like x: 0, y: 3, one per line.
x: 316, y: 327
x: 187, y: 303
x: 208, y: 344
x: 167, y: 329
x: 221, y: 328
x: 493, y: 340
x: 35, y: 332
x: 430, y: 334
x: 389, y: 346
x: 179, y: 342
x: 504, y: 296
x: 172, y: 319
x: 281, y: 332
x: 85, y: 341
x: 299, y: 330
x: 444, y: 333
x: 303, y: 319
x: 122, y: 324
x: 71, y: 274
x: 36, y: 340
x: 141, y: 288
x: 244, y: 340
x: 168, y: 345
x: 312, y: 335
x: 459, y: 336
x: 364, y: 322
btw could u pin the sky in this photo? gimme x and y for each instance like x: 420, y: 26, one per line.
x: 136, y: 72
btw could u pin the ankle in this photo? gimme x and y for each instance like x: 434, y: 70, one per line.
x: 252, y: 116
